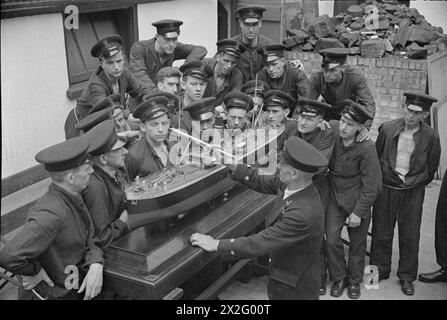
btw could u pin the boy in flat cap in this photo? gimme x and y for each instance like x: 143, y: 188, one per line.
x: 86, y: 124
x: 151, y: 153
x: 355, y: 182
x: 147, y: 57
x: 202, y: 114
x: 281, y: 75
x: 308, y: 124
x: 409, y: 152
x: 173, y: 101
x: 278, y: 106
x: 104, y: 195
x: 250, y: 21
x: 58, y: 232
x: 339, y: 81
x: 293, y: 227
x: 111, y: 77
x: 237, y: 104
x: 195, y: 76
x: 307, y: 127
x: 256, y: 89
x: 227, y: 77
x: 107, y: 110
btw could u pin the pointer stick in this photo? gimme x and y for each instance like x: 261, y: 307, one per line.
x: 218, y: 149
x: 184, y: 153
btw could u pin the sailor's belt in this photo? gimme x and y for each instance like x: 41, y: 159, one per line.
x: 400, y: 188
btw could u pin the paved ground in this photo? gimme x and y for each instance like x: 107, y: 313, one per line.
x: 389, y: 289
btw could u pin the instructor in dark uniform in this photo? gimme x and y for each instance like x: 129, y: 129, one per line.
x: 307, y: 128
x: 294, y: 226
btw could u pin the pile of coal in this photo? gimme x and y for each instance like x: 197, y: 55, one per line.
x: 372, y: 29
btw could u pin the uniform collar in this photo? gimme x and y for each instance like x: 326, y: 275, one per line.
x: 161, y: 58
x: 151, y: 149
x: 101, y: 172
x: 102, y: 75
x: 75, y: 200
x: 310, y: 135
x: 261, y: 41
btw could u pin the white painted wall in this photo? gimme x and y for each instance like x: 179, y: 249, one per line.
x: 199, y: 21
x: 34, y: 80
x: 326, y: 7
x: 35, y: 77
x: 435, y: 12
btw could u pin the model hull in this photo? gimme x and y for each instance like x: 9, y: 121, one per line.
x: 177, y: 190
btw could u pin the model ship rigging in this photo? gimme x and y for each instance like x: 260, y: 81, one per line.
x: 198, y: 176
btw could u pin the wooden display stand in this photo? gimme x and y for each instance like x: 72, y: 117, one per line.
x: 155, y: 265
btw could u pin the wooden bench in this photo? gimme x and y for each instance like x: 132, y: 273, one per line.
x: 19, y: 193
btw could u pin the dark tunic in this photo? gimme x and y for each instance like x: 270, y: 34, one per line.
x: 322, y: 140
x: 355, y: 182
x: 251, y: 62
x: 402, y: 201
x: 293, y: 237
x: 185, y: 121
x: 58, y: 233
x: 98, y: 88
x: 352, y: 86
x: 355, y: 175
x: 145, y: 62
x: 423, y: 161
x: 106, y: 200
x: 182, y: 119
x: 233, y: 82
x: 293, y: 81
x: 142, y: 159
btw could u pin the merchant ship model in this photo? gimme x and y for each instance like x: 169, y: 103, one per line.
x: 178, y: 189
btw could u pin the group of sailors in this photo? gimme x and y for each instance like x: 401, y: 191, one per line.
x: 329, y: 171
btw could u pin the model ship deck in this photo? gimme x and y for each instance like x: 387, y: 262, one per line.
x: 178, y: 189
x: 169, y: 180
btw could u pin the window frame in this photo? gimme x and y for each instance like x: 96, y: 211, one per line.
x: 21, y: 8
x: 126, y: 21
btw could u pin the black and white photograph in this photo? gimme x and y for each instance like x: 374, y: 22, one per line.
x: 223, y: 154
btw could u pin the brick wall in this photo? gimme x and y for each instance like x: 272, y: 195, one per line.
x: 388, y: 78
